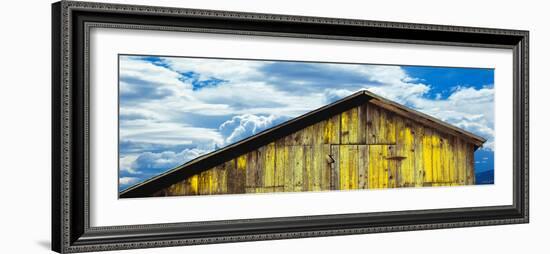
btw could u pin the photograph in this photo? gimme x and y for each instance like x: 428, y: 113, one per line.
x: 181, y: 124
x: 209, y: 126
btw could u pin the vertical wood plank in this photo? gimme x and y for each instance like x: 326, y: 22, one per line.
x: 418, y: 156
x: 362, y: 130
x: 212, y: 185
x: 219, y: 179
x: 335, y: 169
x: 260, y: 166
x: 307, y: 136
x: 353, y: 167
x: 363, y: 167
x: 384, y: 167
x: 457, y: 161
x: 373, y: 124
x: 308, y: 177
x: 298, y: 167
x: 318, y: 134
x: 175, y: 189
x: 344, y: 167
x: 427, y: 156
x: 269, y: 165
x: 332, y: 130
x: 281, y: 158
x: 470, y: 164
x: 379, y: 167
x: 238, y: 175
x: 214, y: 179
x: 345, y: 119
x: 349, y: 122
x: 381, y: 125
x: 222, y: 179
x: 374, y: 164
x: 461, y: 162
x: 404, y: 148
x: 289, y: 168
x: 389, y: 126
x: 453, y: 171
x: 326, y: 169
x: 436, y: 157
x: 445, y: 159
x: 393, y: 174
x: 295, y: 138
x: 194, y: 181
x: 318, y: 159
x: 453, y: 176
x: 251, y: 169
x: 410, y: 161
x: 354, y: 126
x: 187, y: 190
x: 204, y: 183
x: 182, y: 188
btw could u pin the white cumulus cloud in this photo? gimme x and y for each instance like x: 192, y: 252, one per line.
x: 127, y: 180
x: 243, y: 126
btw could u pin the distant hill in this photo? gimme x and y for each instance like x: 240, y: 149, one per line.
x: 484, y: 160
x: 485, y: 177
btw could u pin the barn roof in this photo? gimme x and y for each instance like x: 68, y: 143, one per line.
x: 251, y: 143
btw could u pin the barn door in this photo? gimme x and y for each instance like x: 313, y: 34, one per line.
x: 349, y: 167
x: 302, y: 167
x: 366, y: 167
x: 382, y: 167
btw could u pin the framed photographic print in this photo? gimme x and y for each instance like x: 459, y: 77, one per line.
x: 182, y: 126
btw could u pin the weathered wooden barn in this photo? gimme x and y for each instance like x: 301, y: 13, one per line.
x: 360, y: 142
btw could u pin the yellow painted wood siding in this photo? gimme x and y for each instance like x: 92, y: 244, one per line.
x: 366, y: 147
x: 405, y: 153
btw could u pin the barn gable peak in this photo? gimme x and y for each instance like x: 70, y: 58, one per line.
x: 265, y: 137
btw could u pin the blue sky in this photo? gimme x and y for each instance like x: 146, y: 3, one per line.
x: 174, y: 109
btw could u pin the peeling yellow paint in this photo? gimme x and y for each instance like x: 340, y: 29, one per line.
x: 241, y: 162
